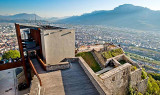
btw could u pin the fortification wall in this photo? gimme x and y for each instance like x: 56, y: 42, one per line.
x: 142, y: 86
x: 117, y: 79
x: 97, y: 59
x: 135, y: 77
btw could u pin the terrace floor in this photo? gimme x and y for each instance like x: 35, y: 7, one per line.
x: 72, y: 81
x: 76, y: 82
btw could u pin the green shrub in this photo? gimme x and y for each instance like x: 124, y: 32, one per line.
x: 133, y: 68
x: 144, y: 74
x: 139, y: 93
x: 131, y: 90
x: 153, y: 87
x: 156, y: 76
x: 11, y: 54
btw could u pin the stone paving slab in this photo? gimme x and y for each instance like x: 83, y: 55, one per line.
x: 52, y: 83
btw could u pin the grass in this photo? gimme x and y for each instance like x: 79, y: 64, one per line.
x: 88, y: 57
x: 112, y: 53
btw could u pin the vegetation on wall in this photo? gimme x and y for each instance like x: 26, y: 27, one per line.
x: 133, y: 68
x: 112, y: 53
x: 88, y: 57
x: 144, y: 74
x: 11, y: 54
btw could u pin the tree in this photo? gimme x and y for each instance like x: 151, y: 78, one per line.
x: 11, y: 54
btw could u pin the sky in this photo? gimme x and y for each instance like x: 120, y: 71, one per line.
x: 62, y: 8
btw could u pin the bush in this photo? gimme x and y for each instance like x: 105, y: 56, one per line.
x: 133, y: 68
x: 156, y: 76
x: 153, y: 88
x: 139, y: 93
x: 144, y: 74
x: 131, y: 91
x: 11, y: 54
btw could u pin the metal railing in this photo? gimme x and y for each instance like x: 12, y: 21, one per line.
x: 42, y: 63
x: 34, y: 70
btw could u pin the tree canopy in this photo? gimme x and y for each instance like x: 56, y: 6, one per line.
x: 11, y: 54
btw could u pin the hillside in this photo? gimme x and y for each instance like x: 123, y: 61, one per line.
x: 126, y: 15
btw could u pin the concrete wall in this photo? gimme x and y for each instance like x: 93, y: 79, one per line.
x: 117, y: 79
x: 60, y: 66
x: 57, y: 44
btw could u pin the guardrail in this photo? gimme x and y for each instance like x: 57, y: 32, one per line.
x: 34, y: 70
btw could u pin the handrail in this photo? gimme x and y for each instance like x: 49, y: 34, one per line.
x: 42, y: 63
x: 34, y: 70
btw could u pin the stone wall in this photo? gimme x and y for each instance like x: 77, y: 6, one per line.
x: 59, y: 66
x: 97, y: 59
x: 94, y: 78
x: 142, y: 86
x: 117, y: 79
x: 135, y: 77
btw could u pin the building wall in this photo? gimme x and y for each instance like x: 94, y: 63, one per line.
x: 57, y: 44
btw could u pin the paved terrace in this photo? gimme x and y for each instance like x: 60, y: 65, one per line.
x: 76, y: 82
x: 72, y: 81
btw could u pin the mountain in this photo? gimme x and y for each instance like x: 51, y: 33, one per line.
x: 126, y: 15
x: 24, y: 17
x: 21, y: 16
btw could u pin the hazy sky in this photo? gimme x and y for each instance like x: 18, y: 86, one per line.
x: 61, y: 8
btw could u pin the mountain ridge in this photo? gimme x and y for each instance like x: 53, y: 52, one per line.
x: 126, y: 15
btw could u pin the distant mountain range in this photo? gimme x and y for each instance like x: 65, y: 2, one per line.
x: 24, y: 17
x: 126, y: 15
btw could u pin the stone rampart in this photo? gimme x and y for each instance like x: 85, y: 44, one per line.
x: 117, y: 79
